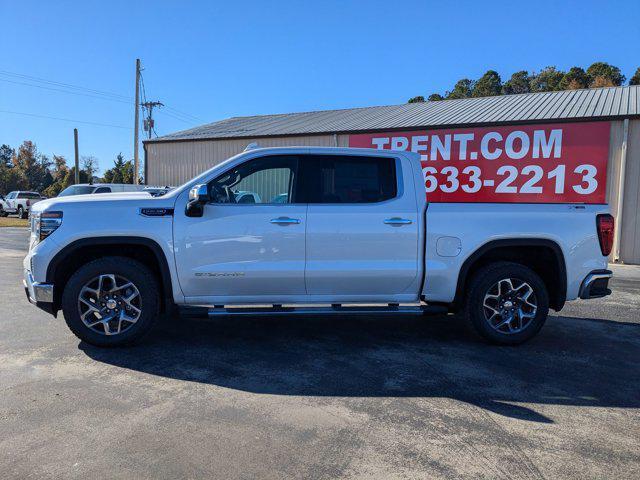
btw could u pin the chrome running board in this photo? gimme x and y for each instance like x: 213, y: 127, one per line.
x: 278, y: 310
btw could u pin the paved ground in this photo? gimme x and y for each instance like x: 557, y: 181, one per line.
x: 320, y: 398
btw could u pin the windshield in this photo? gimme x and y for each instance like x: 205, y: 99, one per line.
x: 76, y: 190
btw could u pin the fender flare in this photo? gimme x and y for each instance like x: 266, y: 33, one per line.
x: 463, y: 275
x: 163, y: 264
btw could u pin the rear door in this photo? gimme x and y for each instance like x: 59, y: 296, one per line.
x: 362, y: 227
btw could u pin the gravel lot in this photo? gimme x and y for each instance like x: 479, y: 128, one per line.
x: 400, y: 397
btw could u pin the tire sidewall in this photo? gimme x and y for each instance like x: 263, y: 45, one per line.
x: 134, y: 271
x: 488, y: 276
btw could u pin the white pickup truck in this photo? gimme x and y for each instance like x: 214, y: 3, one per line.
x: 335, y: 231
x: 20, y: 202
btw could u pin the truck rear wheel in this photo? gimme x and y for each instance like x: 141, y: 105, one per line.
x: 111, y: 302
x: 507, y: 303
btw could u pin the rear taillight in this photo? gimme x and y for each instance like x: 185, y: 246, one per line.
x: 28, y: 203
x: 605, y: 226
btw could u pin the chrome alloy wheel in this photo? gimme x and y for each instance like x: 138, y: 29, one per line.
x: 109, y: 304
x: 510, y: 305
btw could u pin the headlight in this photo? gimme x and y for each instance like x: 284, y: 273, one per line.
x: 44, y: 224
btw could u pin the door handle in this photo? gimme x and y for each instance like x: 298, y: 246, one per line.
x: 285, y: 221
x: 397, y: 221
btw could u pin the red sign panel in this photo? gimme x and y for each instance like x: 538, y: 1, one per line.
x: 550, y: 163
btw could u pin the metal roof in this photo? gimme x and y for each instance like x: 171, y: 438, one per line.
x: 610, y: 102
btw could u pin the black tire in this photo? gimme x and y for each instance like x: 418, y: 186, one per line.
x: 21, y: 212
x: 132, y: 270
x: 476, y: 313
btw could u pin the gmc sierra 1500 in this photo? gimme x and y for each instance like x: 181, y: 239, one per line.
x: 323, y: 226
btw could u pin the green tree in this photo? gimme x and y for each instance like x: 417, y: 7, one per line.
x: 604, y: 75
x: 418, y: 99
x: 11, y: 179
x: 59, y: 174
x: 462, y: 89
x: 435, y: 97
x: 574, y: 79
x: 547, y: 80
x: 89, y: 165
x: 635, y: 80
x: 122, y: 171
x: 69, y: 178
x: 488, y: 85
x: 34, y: 166
x: 127, y: 173
x: 518, y: 83
x: 6, y: 155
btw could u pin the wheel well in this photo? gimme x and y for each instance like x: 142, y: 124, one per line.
x: 543, y: 257
x: 67, y: 262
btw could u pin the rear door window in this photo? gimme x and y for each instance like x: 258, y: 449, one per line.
x: 348, y: 179
x: 102, y: 190
x: 28, y: 195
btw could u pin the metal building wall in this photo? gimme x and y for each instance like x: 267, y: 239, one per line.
x: 173, y: 163
x: 630, y: 221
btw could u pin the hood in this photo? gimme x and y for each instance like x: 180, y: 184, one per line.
x: 80, y: 201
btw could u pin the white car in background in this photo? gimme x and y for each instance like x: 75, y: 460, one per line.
x: 20, y: 202
x: 157, y: 191
x: 3, y: 206
x: 89, y: 188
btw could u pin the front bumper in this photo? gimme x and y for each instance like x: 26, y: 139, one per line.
x: 596, y: 284
x: 40, y: 294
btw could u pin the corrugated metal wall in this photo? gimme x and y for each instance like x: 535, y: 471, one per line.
x: 173, y: 163
x: 630, y: 231
x: 268, y: 184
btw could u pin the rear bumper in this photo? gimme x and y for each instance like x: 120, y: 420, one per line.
x: 596, y: 284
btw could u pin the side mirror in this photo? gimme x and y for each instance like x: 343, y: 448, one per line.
x: 198, y: 196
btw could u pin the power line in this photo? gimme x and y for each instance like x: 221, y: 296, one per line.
x: 144, y: 91
x: 64, y: 119
x: 66, y: 85
x: 176, y: 113
x: 169, y: 114
x: 66, y: 91
x: 92, y: 93
x: 185, y: 114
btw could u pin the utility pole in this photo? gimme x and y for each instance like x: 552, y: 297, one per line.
x: 148, y: 122
x: 75, y: 140
x: 136, y: 165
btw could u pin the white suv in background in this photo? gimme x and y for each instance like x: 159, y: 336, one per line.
x: 89, y: 188
x: 20, y: 202
x: 3, y: 206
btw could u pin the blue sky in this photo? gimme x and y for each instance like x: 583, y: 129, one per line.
x: 213, y: 60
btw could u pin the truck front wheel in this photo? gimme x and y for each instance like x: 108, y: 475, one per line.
x: 507, y: 303
x: 111, y: 302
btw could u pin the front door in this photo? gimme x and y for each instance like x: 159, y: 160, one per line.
x: 362, y: 228
x: 249, y: 245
